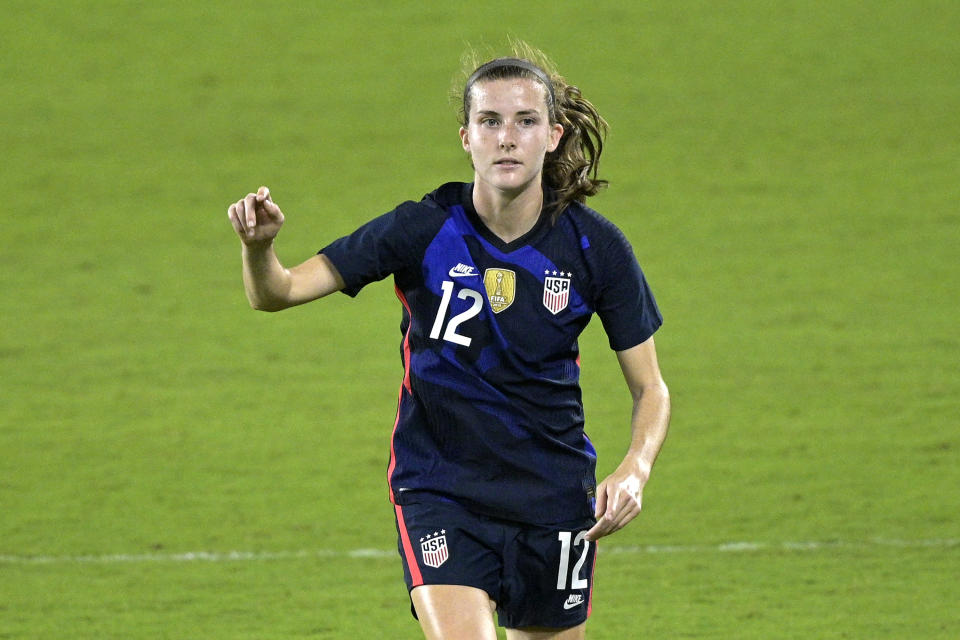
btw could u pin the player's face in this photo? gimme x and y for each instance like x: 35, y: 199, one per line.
x: 509, y: 133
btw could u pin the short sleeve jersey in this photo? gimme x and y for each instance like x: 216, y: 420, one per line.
x: 490, y: 412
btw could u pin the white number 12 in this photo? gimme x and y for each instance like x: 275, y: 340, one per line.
x: 451, y: 334
x: 576, y: 581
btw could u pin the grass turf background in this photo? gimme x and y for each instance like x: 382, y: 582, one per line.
x: 788, y: 175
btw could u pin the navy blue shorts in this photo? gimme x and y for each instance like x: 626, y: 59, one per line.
x: 539, y: 575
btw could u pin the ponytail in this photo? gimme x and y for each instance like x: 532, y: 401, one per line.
x: 569, y: 171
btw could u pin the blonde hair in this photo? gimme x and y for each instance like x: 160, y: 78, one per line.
x: 571, y: 170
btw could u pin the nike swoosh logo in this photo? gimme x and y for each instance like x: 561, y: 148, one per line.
x: 460, y: 274
x: 571, y: 605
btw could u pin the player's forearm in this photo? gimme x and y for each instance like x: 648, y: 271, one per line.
x: 266, y: 281
x: 650, y: 421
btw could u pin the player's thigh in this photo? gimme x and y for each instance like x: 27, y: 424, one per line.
x: 454, y: 612
x: 535, y: 633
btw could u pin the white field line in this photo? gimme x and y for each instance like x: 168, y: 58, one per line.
x: 266, y: 556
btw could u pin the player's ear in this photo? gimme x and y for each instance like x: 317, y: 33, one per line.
x: 556, y: 133
x: 465, y: 139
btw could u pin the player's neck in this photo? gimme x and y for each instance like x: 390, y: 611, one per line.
x: 508, y: 215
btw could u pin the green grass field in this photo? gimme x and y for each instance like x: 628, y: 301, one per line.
x: 176, y: 465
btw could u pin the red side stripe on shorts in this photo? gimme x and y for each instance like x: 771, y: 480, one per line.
x: 593, y: 586
x: 408, y: 549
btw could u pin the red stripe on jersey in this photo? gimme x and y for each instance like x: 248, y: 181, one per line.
x: 406, y: 340
x: 408, y: 549
x: 393, y: 452
x: 405, y: 385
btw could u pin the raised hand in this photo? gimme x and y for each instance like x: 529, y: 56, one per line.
x: 256, y: 218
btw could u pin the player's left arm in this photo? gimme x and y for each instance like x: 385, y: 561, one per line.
x: 620, y: 495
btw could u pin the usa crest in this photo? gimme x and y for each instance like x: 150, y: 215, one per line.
x: 501, y: 286
x: 433, y: 549
x: 556, y: 293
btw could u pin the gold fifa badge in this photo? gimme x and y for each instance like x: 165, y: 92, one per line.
x: 501, y: 286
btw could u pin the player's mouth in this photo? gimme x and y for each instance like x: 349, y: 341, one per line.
x: 507, y: 162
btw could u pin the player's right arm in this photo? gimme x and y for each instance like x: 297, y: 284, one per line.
x: 269, y: 285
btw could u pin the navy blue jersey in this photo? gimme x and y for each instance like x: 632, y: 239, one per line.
x: 490, y: 412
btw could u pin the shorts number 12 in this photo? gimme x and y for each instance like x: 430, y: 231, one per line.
x: 576, y: 581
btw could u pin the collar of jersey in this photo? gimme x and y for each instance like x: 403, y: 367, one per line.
x: 529, y: 238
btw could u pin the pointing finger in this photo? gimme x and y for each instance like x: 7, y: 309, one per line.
x: 603, y: 527
x: 595, y: 532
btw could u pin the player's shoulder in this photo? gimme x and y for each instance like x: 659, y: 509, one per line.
x: 447, y: 195
x: 435, y: 204
x: 592, y: 227
x: 428, y: 214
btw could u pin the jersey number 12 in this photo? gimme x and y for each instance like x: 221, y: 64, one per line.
x: 451, y: 335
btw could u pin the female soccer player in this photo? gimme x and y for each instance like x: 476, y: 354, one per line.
x: 491, y: 475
